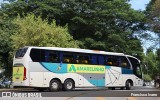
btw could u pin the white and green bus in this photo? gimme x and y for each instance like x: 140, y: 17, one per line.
x: 68, y: 68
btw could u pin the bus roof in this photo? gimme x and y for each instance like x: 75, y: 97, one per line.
x: 77, y: 50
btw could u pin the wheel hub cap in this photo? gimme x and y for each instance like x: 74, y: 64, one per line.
x: 55, y: 85
x: 69, y: 85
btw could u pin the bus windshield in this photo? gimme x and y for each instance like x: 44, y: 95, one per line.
x: 136, y: 67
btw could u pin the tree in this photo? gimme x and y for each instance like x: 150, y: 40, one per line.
x: 152, y: 63
x: 147, y: 78
x: 33, y: 31
x: 158, y: 64
x: 158, y: 54
x: 153, y: 19
x: 108, y: 25
x: 6, y: 30
x: 98, y: 24
x: 153, y: 66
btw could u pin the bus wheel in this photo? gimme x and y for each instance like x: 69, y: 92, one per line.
x: 54, y: 85
x: 68, y: 85
x: 128, y: 85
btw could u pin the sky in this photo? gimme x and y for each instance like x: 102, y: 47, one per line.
x: 139, y: 4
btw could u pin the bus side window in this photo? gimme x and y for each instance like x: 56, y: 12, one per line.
x: 68, y: 57
x: 101, y: 60
x: 109, y: 62
x: 124, y: 62
x: 112, y: 61
x: 53, y: 57
x: 82, y: 59
x: 35, y: 55
x: 94, y: 60
x: 77, y: 59
x: 43, y: 55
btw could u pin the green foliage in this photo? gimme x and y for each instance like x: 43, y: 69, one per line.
x: 147, y: 78
x: 108, y: 25
x: 158, y: 54
x: 154, y: 16
x: 33, y: 31
x: 98, y: 24
x: 158, y: 59
x: 152, y: 64
x: 153, y: 20
x: 6, y: 30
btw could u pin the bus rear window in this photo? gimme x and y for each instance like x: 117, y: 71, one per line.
x: 21, y: 52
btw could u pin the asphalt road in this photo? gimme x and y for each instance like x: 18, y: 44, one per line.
x: 137, y: 93
x: 140, y: 88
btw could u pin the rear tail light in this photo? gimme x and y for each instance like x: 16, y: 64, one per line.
x: 24, y: 77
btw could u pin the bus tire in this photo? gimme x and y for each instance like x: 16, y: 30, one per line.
x: 128, y: 85
x: 68, y: 85
x: 54, y: 85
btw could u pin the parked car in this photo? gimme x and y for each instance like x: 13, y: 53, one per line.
x: 5, y: 83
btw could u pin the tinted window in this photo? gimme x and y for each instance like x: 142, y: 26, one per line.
x: 52, y: 56
x: 112, y: 60
x: 82, y: 59
x: 21, y: 52
x: 35, y: 55
x: 94, y: 59
x: 134, y: 62
x: 100, y: 60
x: 124, y: 62
x: 136, y: 67
x: 40, y: 55
x: 118, y: 61
x: 68, y: 57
